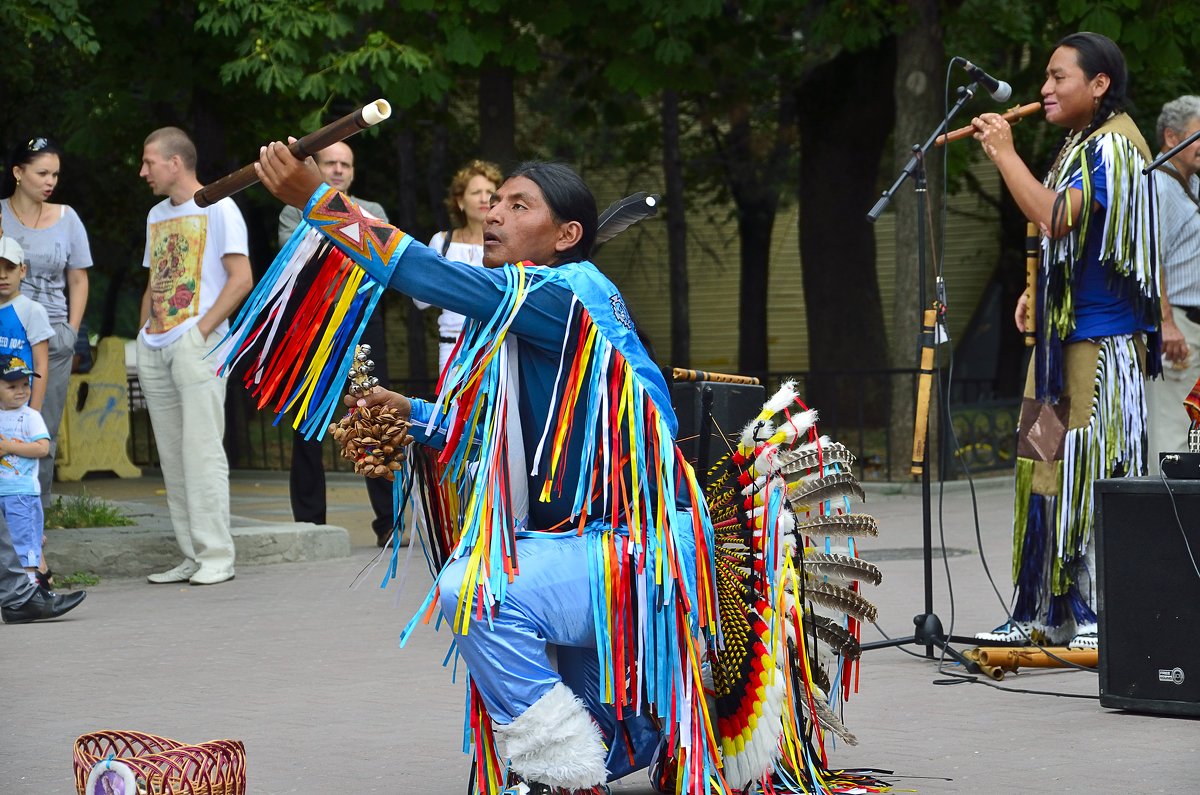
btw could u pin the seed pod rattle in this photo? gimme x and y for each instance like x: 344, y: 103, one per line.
x: 373, y: 437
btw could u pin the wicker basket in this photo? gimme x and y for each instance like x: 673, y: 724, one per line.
x: 163, y: 766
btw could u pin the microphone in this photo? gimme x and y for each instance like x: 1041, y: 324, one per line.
x: 1000, y: 90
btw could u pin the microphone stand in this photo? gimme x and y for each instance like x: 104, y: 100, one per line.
x: 929, y: 631
x: 1167, y: 155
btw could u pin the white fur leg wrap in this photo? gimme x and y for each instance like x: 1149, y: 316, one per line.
x: 555, y: 742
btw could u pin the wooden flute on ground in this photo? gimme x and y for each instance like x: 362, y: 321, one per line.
x: 995, y: 661
x: 1010, y: 116
x: 367, y: 116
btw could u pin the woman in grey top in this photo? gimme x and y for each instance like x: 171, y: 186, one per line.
x: 57, y: 257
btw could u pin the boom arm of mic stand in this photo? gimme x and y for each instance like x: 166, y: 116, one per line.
x: 964, y: 94
x: 1167, y: 155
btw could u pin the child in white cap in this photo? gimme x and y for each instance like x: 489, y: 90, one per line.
x: 24, y: 438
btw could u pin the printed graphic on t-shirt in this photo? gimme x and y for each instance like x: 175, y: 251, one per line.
x: 13, y: 341
x: 176, y: 254
x: 18, y: 474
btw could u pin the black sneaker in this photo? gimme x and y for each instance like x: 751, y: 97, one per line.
x: 41, y: 606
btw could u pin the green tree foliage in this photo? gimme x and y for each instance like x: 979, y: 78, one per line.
x: 30, y: 26
x: 587, y: 78
x: 320, y: 52
x: 1160, y: 40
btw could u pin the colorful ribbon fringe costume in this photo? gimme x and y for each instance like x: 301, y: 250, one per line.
x: 1085, y: 405
x: 560, y: 510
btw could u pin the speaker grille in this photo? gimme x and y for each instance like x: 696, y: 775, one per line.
x: 1149, y: 595
x: 704, y: 406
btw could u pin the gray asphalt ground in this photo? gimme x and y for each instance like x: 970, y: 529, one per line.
x: 306, y: 670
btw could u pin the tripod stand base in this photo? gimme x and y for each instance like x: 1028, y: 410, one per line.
x: 929, y: 633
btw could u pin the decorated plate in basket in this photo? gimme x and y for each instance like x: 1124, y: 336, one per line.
x: 111, y: 777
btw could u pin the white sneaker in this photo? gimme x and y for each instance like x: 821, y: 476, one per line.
x: 180, y: 573
x: 1086, y: 637
x: 210, y: 576
x: 1014, y: 632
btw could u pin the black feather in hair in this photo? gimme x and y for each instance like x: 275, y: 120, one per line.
x: 624, y: 213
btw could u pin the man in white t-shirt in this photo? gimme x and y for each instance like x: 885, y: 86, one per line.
x: 199, y: 273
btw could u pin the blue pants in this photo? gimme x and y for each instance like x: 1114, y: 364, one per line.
x: 550, y: 603
x: 23, y: 512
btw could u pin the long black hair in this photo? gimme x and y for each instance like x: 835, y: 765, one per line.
x: 568, y: 198
x: 1098, y: 54
x: 22, y: 155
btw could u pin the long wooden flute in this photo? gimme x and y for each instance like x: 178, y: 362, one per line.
x: 1009, y: 116
x: 680, y: 374
x: 1011, y: 659
x: 1032, y: 254
x: 924, y: 384
x: 367, y: 116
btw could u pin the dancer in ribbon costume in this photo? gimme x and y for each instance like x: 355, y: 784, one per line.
x: 1084, y: 412
x: 583, y: 531
x: 578, y: 524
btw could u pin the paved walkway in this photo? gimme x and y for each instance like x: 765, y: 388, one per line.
x: 306, y: 670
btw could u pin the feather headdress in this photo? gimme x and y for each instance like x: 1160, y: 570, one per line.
x: 788, y: 600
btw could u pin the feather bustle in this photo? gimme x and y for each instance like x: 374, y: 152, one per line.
x: 847, y: 524
x: 830, y: 487
x: 844, y: 566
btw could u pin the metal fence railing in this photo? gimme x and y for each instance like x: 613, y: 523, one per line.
x: 854, y: 408
x: 254, y: 438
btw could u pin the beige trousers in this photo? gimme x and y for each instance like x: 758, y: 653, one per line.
x: 186, y: 400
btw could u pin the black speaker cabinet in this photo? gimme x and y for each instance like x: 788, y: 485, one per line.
x: 1149, y: 594
x: 703, y: 407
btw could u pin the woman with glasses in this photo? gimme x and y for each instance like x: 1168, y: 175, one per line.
x: 57, y: 257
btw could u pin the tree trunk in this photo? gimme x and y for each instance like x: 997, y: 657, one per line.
x: 406, y: 218
x: 756, y: 221
x: 112, y: 297
x: 756, y: 174
x: 842, y: 138
x: 919, y: 62
x: 1010, y: 273
x: 497, y: 117
x: 438, y: 170
x: 681, y: 352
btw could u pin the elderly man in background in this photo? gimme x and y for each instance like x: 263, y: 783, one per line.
x: 307, y: 479
x: 1178, y: 206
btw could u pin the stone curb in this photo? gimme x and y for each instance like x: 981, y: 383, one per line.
x: 149, y: 545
